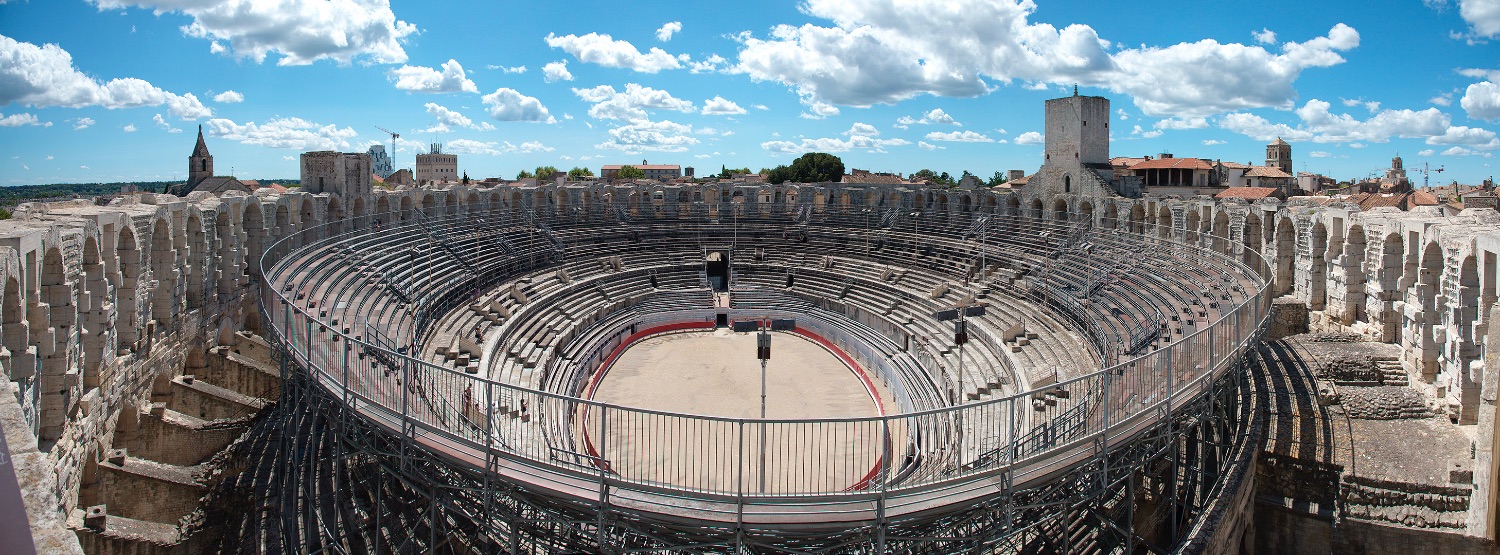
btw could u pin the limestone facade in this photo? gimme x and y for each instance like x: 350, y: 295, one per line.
x: 100, y: 305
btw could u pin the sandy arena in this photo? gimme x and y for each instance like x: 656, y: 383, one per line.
x: 717, y: 374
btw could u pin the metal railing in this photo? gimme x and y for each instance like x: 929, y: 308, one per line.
x: 573, y: 445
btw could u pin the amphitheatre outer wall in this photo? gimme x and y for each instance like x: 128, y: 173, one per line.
x: 105, y: 305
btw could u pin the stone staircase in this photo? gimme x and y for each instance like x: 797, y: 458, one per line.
x: 1391, y: 372
x: 1410, y: 505
x: 150, y: 487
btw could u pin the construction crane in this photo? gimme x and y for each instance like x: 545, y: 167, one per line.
x: 392, y: 154
x: 1426, y: 172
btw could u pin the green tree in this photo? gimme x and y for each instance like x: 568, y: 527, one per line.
x: 523, y: 175
x: 630, y: 172
x: 545, y: 173
x: 924, y: 174
x: 997, y: 179
x: 466, y: 177
x: 815, y: 167
x: 779, y: 174
x: 578, y: 172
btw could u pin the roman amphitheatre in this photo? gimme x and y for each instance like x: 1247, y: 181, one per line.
x: 572, y: 367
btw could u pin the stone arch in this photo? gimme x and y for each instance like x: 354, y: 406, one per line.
x: 1163, y: 221
x: 1086, y: 211
x: 127, y: 314
x: 283, y: 227
x: 1191, y: 225
x: 471, y: 203
x: 58, y: 388
x: 1013, y: 205
x: 1383, y: 291
x: 429, y: 205
x: 1111, y: 216
x: 1423, y: 330
x: 1286, y: 245
x: 1350, y: 277
x: 450, y: 203
x: 360, y: 221
x: 196, y: 253
x: 1137, y: 218
x: 1060, y: 209
x: 1317, y: 269
x: 164, y: 272
x: 306, y: 222
x: 94, y: 317
x: 495, y: 201
x: 229, y: 255
x: 406, y: 207
x: 1221, y: 231
x: 1251, y: 238
x: 383, y: 210
x: 1466, y: 350
x: 335, y: 217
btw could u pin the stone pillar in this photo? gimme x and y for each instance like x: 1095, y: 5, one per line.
x: 1483, y: 500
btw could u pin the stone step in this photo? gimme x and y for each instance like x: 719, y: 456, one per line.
x: 210, y: 402
x: 147, y: 490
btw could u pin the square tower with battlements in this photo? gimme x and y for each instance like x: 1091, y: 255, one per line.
x: 1077, y: 149
x: 1078, y: 129
x: 342, y: 174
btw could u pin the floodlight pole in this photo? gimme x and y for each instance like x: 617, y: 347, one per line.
x: 984, y: 233
x: 763, y: 352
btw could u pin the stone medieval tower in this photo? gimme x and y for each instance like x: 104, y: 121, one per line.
x: 1279, y: 155
x: 200, y: 163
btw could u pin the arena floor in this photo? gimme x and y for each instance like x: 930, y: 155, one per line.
x: 717, y: 374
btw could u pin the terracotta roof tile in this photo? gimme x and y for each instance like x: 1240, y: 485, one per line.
x: 1267, y: 172
x: 1173, y: 163
x: 1247, y: 192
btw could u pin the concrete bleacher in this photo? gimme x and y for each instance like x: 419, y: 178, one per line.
x: 529, y: 301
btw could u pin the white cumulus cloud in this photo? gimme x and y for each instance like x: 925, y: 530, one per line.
x: 17, y: 120
x: 1482, y: 100
x: 1030, y: 138
x: 446, y: 117
x: 819, y: 110
x: 229, y: 97
x: 164, y: 125
x: 1264, y: 36
x: 129, y: 128
x: 1319, y: 125
x: 959, y: 137
x: 301, y: 31
x: 936, y: 116
x: 44, y: 76
x: 631, y: 104
x: 83, y: 123
x: 879, y: 52
x: 645, y: 135
x: 603, y: 50
x: 556, y: 71
x: 509, y: 105
x: 451, y: 79
x: 862, y: 136
x: 665, y: 33
x: 718, y: 106
x: 1483, y: 16
x: 293, y: 133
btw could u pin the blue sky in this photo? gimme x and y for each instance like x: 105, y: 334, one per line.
x: 112, y: 90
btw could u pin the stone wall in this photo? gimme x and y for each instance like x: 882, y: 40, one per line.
x: 103, y: 307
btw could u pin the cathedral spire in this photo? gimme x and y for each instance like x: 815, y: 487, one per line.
x: 201, y: 149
